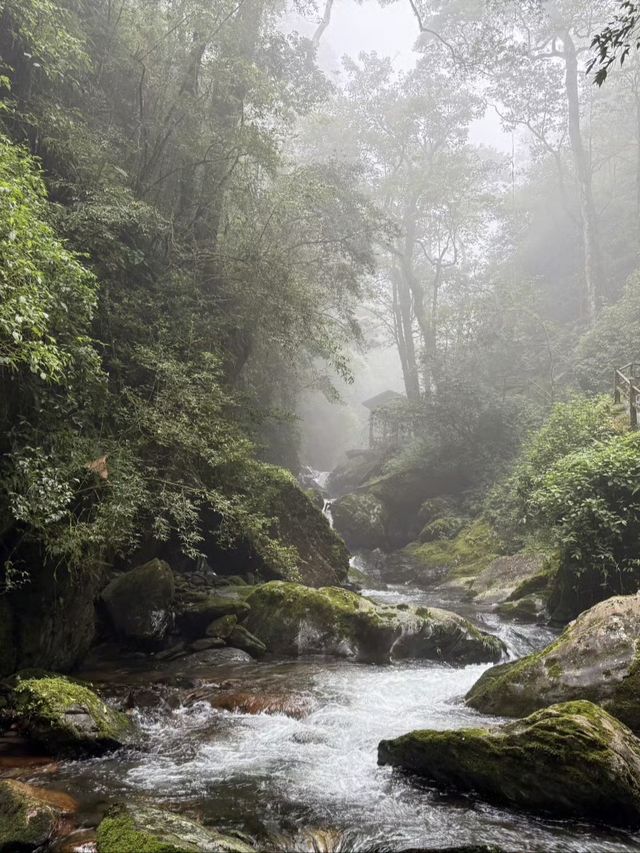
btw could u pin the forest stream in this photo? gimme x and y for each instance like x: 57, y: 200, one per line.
x: 306, y: 778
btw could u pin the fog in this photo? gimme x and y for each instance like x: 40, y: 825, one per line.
x: 319, y: 425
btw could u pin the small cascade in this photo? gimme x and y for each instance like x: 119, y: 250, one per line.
x: 326, y: 511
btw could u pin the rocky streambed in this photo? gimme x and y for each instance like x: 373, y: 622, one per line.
x: 282, y: 754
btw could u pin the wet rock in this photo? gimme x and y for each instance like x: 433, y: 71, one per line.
x: 222, y: 627
x: 361, y: 520
x: 240, y: 638
x: 196, y: 616
x: 77, y: 841
x: 138, y: 828
x: 359, y: 467
x: 322, y: 557
x: 429, y: 633
x: 529, y: 608
x: 504, y: 575
x: 292, y: 619
x: 216, y: 657
x: 145, y: 698
x: 359, y: 580
x: 316, y: 497
x: 139, y: 603
x: 230, y: 580
x: 30, y: 816
x: 67, y: 717
x: 297, y: 707
x: 207, y: 643
x: 571, y: 760
x: 175, y: 651
x: 596, y: 658
x: 458, y: 561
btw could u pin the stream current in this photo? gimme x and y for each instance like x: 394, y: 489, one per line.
x: 312, y: 782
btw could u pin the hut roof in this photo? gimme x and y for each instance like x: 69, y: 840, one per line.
x: 382, y: 399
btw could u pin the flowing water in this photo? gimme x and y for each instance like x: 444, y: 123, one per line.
x: 282, y: 779
x: 313, y: 783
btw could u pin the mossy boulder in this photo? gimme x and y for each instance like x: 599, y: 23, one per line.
x: 359, y: 467
x: 198, y: 612
x: 29, y: 816
x: 67, y: 717
x: 596, y: 658
x: 404, y: 493
x: 529, y: 608
x: 316, y: 497
x: 361, y: 520
x: 293, y: 620
x: 139, y: 603
x: 240, y: 638
x: 445, y: 527
x: 505, y: 576
x: 143, y: 829
x: 49, y: 621
x: 434, y: 508
x: 222, y: 626
x: 458, y: 560
x: 572, y: 760
x: 297, y: 522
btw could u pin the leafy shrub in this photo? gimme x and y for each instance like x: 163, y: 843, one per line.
x: 580, y: 423
x: 590, y: 500
x: 613, y: 341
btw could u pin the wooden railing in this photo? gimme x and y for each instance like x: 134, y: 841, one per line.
x: 626, y: 385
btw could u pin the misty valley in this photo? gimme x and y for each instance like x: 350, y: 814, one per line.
x: 319, y: 446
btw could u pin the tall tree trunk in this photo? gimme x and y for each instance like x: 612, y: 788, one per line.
x: 420, y: 306
x: 593, y: 268
x: 402, y: 310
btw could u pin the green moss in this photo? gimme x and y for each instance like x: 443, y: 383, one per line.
x: 67, y: 716
x: 361, y: 518
x: 596, y: 658
x: 540, y: 582
x: 25, y: 821
x: 527, y: 609
x: 195, y: 616
x: 446, y: 527
x: 503, y: 688
x: 472, y: 550
x: 143, y: 829
x: 118, y: 834
x: 571, y: 760
x: 292, y: 619
x: 278, y: 609
x: 625, y: 702
x: 301, y: 546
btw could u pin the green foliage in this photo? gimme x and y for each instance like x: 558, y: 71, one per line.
x: 613, y: 341
x: 46, y: 295
x: 223, y: 277
x: 474, y: 547
x: 49, y: 34
x: 590, y: 499
x: 580, y: 423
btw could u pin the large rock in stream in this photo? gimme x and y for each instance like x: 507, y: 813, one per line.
x: 361, y: 519
x: 66, y: 717
x: 139, y: 603
x: 293, y: 620
x: 144, y: 829
x: 30, y: 816
x: 570, y: 760
x: 596, y: 658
